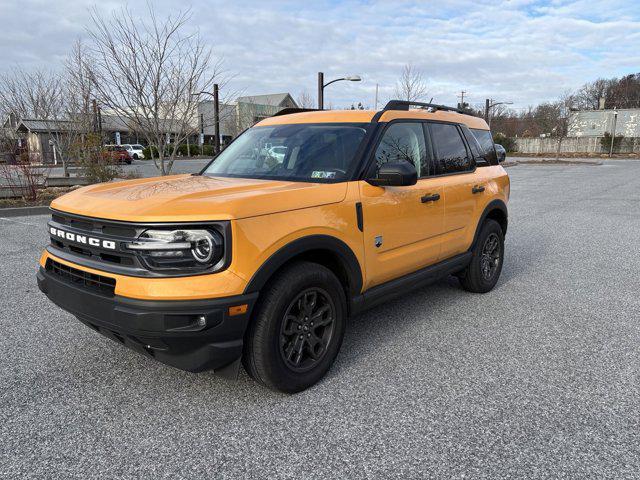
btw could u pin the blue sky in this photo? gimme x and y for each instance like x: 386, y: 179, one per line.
x: 519, y: 50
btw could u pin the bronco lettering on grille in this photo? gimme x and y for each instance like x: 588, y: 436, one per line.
x: 82, y: 239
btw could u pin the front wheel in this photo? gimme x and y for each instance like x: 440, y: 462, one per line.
x: 297, y: 331
x: 486, y: 263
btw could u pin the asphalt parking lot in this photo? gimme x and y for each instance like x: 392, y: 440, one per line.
x: 146, y: 168
x: 537, y: 379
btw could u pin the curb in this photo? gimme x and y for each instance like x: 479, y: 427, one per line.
x: 24, y: 211
x: 553, y: 161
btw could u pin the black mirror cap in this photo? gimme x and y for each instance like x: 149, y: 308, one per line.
x: 399, y: 174
x: 501, y: 153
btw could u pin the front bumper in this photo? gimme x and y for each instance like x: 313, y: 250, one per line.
x: 168, y: 330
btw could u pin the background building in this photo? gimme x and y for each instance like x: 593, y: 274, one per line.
x: 37, y: 137
x: 595, y: 123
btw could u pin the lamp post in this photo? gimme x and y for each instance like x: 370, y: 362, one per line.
x: 216, y: 116
x: 488, y: 105
x: 613, y: 136
x: 322, y: 85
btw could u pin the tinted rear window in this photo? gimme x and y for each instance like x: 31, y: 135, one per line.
x: 452, y: 152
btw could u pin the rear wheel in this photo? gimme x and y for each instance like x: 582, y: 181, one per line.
x: 483, y: 271
x: 298, y: 328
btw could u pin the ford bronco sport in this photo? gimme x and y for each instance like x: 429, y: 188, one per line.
x: 304, y: 220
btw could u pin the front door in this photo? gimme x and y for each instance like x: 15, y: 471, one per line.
x: 402, y: 225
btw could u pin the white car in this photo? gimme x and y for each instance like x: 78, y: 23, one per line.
x: 135, y: 150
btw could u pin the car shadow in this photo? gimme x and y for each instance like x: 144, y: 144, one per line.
x: 374, y: 329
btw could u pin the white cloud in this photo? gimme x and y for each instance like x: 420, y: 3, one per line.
x: 519, y: 50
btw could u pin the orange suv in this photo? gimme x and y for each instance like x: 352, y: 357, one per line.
x: 305, y: 219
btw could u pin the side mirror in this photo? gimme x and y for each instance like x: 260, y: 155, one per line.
x: 399, y: 174
x: 501, y: 153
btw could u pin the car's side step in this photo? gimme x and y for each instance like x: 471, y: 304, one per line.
x: 394, y: 288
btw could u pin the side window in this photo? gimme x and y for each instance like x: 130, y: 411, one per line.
x: 452, y: 155
x: 404, y: 142
x: 476, y: 149
x: 486, y: 144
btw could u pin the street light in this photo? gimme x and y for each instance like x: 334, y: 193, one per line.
x: 216, y: 117
x: 488, y: 105
x: 321, y: 85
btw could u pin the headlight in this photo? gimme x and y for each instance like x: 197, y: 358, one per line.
x: 179, y: 249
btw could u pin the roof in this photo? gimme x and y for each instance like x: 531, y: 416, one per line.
x: 275, y: 99
x: 365, y: 116
x: 43, y: 125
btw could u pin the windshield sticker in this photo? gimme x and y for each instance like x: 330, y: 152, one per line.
x: 322, y: 174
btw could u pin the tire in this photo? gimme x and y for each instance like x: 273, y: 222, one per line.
x: 483, y: 271
x: 135, y: 156
x: 276, y: 352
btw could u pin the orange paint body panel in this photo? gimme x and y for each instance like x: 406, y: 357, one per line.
x: 267, y: 215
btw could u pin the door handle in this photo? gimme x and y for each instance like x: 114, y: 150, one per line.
x: 430, y: 198
x: 477, y: 189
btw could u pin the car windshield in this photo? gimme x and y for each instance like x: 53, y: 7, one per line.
x: 298, y: 152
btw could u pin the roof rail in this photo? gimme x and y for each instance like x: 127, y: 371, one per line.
x: 404, y: 105
x: 289, y: 111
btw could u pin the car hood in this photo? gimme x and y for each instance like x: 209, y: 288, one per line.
x: 195, y: 198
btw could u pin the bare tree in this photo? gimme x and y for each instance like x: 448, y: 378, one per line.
x: 84, y: 143
x: 41, y: 95
x: 589, y: 95
x: 411, y: 86
x: 148, y: 72
x: 560, y: 121
x: 305, y: 100
x: 31, y: 94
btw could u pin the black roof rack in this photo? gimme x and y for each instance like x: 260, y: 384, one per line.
x: 404, y: 105
x: 289, y: 111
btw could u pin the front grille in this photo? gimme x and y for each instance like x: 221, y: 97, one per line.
x: 80, y: 278
x: 102, y: 245
x: 89, y: 227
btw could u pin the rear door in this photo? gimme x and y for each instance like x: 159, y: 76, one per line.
x: 455, y: 167
x: 402, y: 225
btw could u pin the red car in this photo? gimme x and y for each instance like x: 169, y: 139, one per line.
x: 116, y: 154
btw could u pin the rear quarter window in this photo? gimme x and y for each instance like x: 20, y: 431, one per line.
x: 485, y: 140
x: 451, y: 152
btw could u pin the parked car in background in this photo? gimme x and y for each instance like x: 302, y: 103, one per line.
x: 135, y: 150
x: 500, y: 152
x: 117, y: 154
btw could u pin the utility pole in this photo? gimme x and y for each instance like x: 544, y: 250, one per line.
x: 487, y: 102
x: 613, y: 136
x: 376, y: 97
x: 320, y: 91
x: 201, y: 134
x: 94, y: 103
x: 216, y: 119
x: 461, y: 104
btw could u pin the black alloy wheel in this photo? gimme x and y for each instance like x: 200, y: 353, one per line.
x: 487, y: 258
x: 307, y: 329
x: 490, y: 257
x: 297, y: 328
